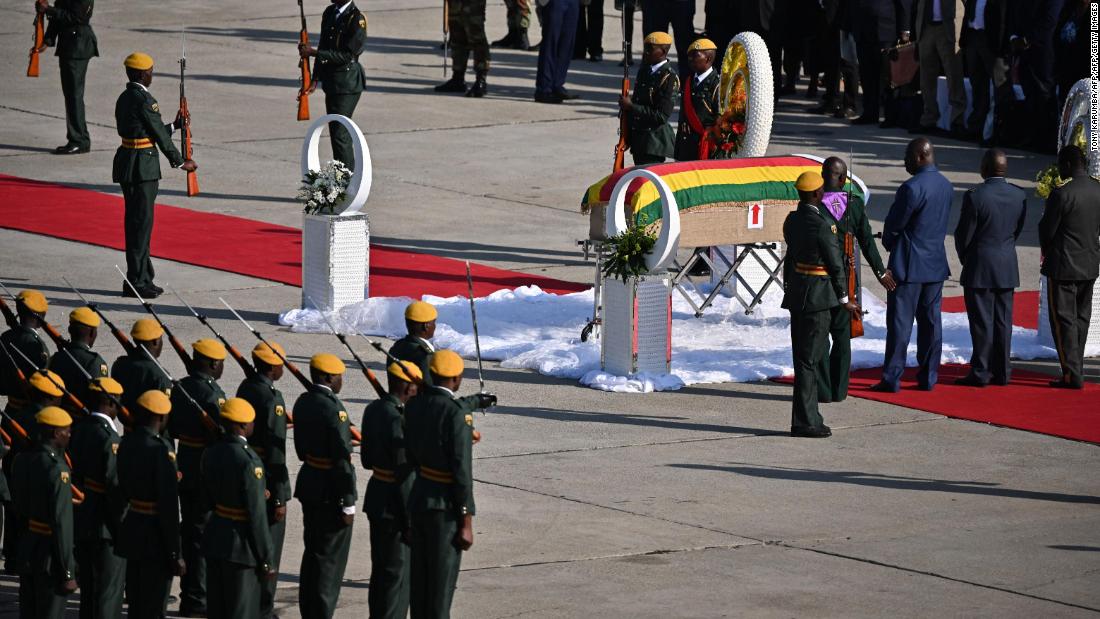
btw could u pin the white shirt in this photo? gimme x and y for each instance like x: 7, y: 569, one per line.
x: 978, y: 23
x: 107, y: 419
x: 843, y: 299
x: 702, y: 76
x: 343, y: 7
x: 653, y: 68
x: 427, y: 343
x: 445, y: 390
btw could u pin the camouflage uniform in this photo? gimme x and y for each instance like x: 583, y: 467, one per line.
x: 467, y: 25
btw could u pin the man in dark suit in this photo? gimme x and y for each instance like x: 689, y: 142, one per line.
x: 914, y: 232
x: 1069, y: 236
x: 934, y: 27
x: 658, y: 15
x: 559, y: 31
x: 1031, y: 33
x: 876, y: 24
x: 982, y: 42
x: 992, y: 217
x: 767, y: 18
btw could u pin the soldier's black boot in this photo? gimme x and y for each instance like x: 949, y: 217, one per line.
x: 521, y: 42
x: 509, y: 40
x: 479, y: 88
x: 457, y: 83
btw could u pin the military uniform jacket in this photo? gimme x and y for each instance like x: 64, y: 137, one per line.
x: 94, y: 450
x: 383, y: 451
x: 75, y: 380
x: 28, y: 342
x: 23, y: 414
x: 233, y: 477
x: 5, y: 493
x: 322, y: 440
x: 43, y: 499
x: 704, y: 101
x: 70, y: 29
x: 439, y: 439
x: 186, y: 426
x: 342, y: 40
x: 813, y: 270
x: 856, y: 217
x: 148, y: 477
x: 654, y: 99
x: 137, y: 117
x: 137, y: 374
x: 268, y: 439
x: 416, y: 350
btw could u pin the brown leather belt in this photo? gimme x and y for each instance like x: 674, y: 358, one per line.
x: 95, y: 486
x: 316, y: 462
x: 149, y: 508
x: 235, y: 514
x: 436, y: 475
x: 137, y: 143
x: 383, y: 475
x: 810, y: 269
x: 39, y: 527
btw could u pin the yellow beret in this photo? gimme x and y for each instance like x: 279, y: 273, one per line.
x: 327, y: 363
x: 266, y: 353
x: 406, y: 371
x: 40, y: 380
x: 84, y: 316
x: 658, y: 38
x: 238, y: 410
x: 146, y: 330
x: 421, y: 311
x: 34, y: 301
x: 447, y: 363
x: 809, y: 181
x: 155, y: 402
x: 139, y: 61
x: 701, y: 45
x: 53, y: 416
x: 105, y: 385
x: 211, y: 349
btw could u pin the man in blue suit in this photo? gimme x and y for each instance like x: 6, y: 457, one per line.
x: 992, y: 217
x: 914, y: 232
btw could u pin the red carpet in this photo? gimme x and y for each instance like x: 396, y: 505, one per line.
x: 1025, y: 308
x: 1026, y: 403
x: 237, y: 245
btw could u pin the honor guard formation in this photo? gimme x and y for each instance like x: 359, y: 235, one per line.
x: 115, y: 483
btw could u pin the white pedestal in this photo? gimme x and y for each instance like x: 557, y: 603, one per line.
x: 335, y: 260
x: 637, y: 325
x: 1046, y: 337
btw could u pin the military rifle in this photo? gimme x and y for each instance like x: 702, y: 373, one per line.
x: 371, y: 378
x: 124, y: 414
x: 180, y: 350
x: 127, y: 345
x: 233, y: 352
x: 286, y: 362
x: 473, y: 320
x: 204, y: 416
x: 850, y: 257
x: 624, y: 118
x: 185, y: 115
x: 39, y: 43
x: 69, y: 397
x: 12, y: 320
x: 303, y: 64
x: 446, y: 33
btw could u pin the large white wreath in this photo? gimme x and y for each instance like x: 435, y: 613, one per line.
x: 363, y: 173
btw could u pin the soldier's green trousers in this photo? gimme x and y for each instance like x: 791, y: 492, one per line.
x: 834, y: 367
x: 38, y: 596
x: 327, y: 541
x: 342, y: 149
x: 73, y: 72
x: 268, y: 586
x: 138, y: 224
x: 194, y: 514
x: 809, y: 337
x: 102, y: 576
x: 466, y: 21
x: 389, y: 574
x: 435, y: 563
x: 232, y: 590
x: 148, y: 582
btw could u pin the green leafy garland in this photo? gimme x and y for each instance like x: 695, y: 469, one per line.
x: 1047, y: 180
x: 628, y: 250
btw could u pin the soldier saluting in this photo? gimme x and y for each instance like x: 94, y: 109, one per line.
x: 337, y: 69
x: 71, y: 31
x: 136, y: 167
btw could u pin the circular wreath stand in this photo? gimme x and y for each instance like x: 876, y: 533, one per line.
x: 336, y: 248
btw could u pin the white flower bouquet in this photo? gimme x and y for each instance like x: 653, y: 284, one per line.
x: 323, y: 190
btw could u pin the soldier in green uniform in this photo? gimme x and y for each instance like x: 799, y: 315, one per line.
x: 149, y: 538
x: 237, y: 542
x: 849, y: 216
x: 83, y: 328
x: 194, y: 430
x: 43, y: 497
x: 94, y: 449
x: 698, y: 102
x: 30, y: 308
x: 337, y: 69
x: 813, y: 284
x: 416, y: 346
x: 325, y: 486
x: 519, y: 20
x: 439, y: 444
x: 134, y: 370
x: 136, y: 167
x: 268, y: 440
x: 383, y: 453
x: 466, y: 21
x: 650, y: 106
x: 70, y: 30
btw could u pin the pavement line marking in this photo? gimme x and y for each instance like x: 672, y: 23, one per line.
x: 935, y: 575
x: 623, y: 555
